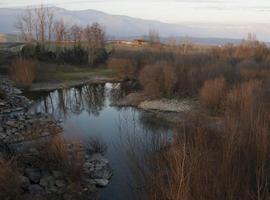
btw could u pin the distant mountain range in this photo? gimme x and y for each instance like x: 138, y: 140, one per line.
x: 118, y: 26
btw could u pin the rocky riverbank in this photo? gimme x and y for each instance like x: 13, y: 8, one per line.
x: 16, y: 124
x: 10, y: 98
x: 25, y: 127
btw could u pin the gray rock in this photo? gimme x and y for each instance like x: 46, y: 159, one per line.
x: 60, y: 183
x: 99, y: 158
x: 104, y: 173
x: 45, y: 134
x: 57, y: 174
x: 36, y: 190
x: 47, y: 181
x: 11, y: 123
x: 52, y: 189
x: 90, y: 181
x: 101, y: 182
x: 24, y: 181
x: 33, y: 174
x: 88, y: 165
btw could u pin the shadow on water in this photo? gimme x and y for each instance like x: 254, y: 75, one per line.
x: 130, y: 134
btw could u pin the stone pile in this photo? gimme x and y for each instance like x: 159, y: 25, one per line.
x: 97, y: 169
x: 10, y: 100
x: 23, y: 127
x: 41, y: 180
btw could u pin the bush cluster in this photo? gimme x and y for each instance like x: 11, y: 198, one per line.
x: 76, y: 55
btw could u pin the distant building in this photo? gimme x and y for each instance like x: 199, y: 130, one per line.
x: 140, y: 42
x: 137, y: 42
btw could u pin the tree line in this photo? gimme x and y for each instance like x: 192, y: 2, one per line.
x: 41, y: 26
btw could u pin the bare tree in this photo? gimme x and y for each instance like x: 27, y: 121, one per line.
x: 41, y: 24
x: 36, y: 24
x: 153, y: 36
x: 94, y: 37
x: 50, y: 21
x: 76, y: 34
x: 60, y: 30
x: 251, y: 37
x: 172, y: 42
x: 25, y: 24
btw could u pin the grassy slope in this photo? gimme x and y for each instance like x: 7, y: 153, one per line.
x: 48, y: 72
x: 52, y: 73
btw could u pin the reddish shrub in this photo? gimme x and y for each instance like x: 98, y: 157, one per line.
x: 158, y: 79
x: 23, y: 71
x: 123, y: 67
x: 212, y: 93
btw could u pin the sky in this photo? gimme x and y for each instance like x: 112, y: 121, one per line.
x: 172, y: 11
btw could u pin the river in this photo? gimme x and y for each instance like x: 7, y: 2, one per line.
x: 86, y: 112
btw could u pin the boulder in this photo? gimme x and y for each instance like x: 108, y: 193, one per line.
x: 60, y: 183
x: 24, y: 182
x: 57, y: 174
x: 104, y: 173
x: 101, y: 182
x: 36, y: 190
x: 47, y: 181
x: 33, y: 174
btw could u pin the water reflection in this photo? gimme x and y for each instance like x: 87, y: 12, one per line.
x: 67, y: 102
x: 141, y: 137
x: 89, y: 98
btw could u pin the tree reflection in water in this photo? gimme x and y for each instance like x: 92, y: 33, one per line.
x: 141, y: 136
x: 74, y: 101
x: 94, y: 98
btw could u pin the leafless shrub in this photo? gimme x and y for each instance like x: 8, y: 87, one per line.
x: 158, y: 79
x: 23, y: 71
x: 65, y: 156
x: 213, y: 92
x: 150, y: 78
x: 123, y: 67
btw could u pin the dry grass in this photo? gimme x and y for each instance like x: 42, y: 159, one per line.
x: 9, y: 182
x: 213, y: 92
x: 67, y: 157
x: 23, y: 71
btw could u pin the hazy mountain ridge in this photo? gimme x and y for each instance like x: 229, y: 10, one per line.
x: 118, y: 26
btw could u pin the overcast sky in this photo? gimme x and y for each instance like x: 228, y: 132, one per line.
x: 173, y: 11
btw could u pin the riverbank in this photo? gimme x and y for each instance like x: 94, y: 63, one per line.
x: 17, y: 124
x: 49, y: 86
x: 170, y: 110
